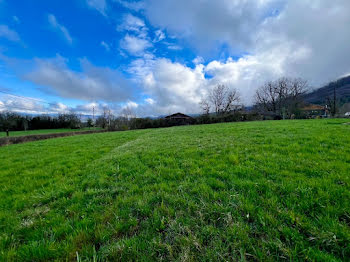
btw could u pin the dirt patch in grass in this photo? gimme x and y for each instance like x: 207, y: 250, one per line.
x: 23, y: 139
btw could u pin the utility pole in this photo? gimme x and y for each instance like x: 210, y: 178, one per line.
x: 334, y: 99
x: 109, y: 118
x: 93, y: 116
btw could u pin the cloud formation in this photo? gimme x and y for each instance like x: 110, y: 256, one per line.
x: 134, y: 45
x: 9, y: 34
x: 35, y: 106
x: 98, y: 5
x: 211, y: 22
x: 136, y: 41
x: 301, y: 40
x: 59, y: 28
x: 91, y: 84
x: 132, y: 23
x: 21, y: 104
x: 170, y: 86
x: 132, y: 5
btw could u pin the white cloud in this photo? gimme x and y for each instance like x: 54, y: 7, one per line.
x: 132, y: 23
x: 316, y: 45
x: 88, y: 109
x: 31, y: 105
x: 136, y: 41
x: 99, y: 5
x: 173, y: 46
x: 131, y: 104
x: 134, y: 45
x: 159, y: 36
x: 91, y: 84
x: 149, y: 101
x: 142, y: 67
x: 210, y: 22
x: 132, y: 5
x: 245, y: 74
x: 198, y: 60
x: 21, y: 104
x: 171, y: 86
x: 257, y: 27
x: 58, y: 108
x: 60, y: 28
x: 105, y: 46
x: 9, y: 34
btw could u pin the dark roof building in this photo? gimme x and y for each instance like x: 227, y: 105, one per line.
x: 179, y: 119
x: 178, y: 116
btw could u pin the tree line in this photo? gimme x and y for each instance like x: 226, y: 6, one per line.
x: 10, y: 121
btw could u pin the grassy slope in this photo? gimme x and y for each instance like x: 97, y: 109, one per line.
x: 255, y: 191
x: 44, y: 131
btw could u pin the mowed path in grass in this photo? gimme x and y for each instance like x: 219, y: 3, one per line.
x: 45, y: 131
x: 266, y: 191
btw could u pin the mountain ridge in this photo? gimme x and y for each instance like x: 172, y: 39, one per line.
x: 320, y: 95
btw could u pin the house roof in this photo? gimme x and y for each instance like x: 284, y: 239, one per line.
x: 311, y: 107
x: 178, y: 115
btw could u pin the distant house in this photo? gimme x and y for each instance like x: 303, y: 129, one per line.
x: 312, y: 110
x: 179, y: 119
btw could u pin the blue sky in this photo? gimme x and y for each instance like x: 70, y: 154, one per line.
x: 158, y: 57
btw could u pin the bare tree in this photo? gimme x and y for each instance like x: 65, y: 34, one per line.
x: 222, y: 99
x: 295, y: 99
x: 217, y: 98
x: 205, y: 106
x: 282, y: 97
x: 231, y: 101
x: 266, y: 97
x: 128, y: 113
x: 102, y: 120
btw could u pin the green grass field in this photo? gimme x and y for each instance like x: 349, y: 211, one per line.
x: 255, y: 191
x: 46, y: 131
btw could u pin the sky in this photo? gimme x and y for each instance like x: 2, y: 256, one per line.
x: 159, y: 57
